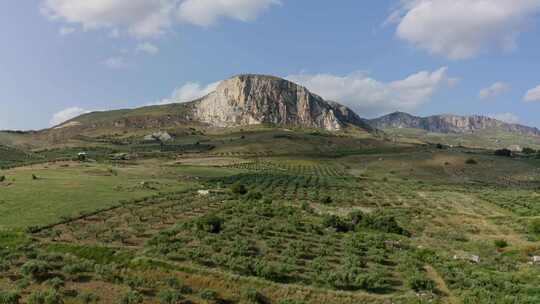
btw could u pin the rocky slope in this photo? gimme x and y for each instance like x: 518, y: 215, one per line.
x: 450, y: 124
x: 256, y: 99
x: 239, y: 101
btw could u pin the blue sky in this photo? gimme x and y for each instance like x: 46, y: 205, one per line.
x: 60, y: 58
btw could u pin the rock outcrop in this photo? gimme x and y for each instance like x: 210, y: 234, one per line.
x: 450, y: 124
x: 258, y: 99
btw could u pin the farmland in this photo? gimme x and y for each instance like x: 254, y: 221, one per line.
x: 399, y: 223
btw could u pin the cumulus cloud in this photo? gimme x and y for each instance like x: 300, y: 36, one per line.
x: 460, y: 29
x: 494, y: 90
x: 506, y: 117
x: 371, y: 97
x: 149, y: 18
x: 147, y: 48
x: 189, y: 92
x: 533, y: 95
x: 65, y: 115
x: 115, y: 63
x: 208, y: 12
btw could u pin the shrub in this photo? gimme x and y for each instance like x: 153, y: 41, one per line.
x: 239, y: 189
x: 471, y: 161
x: 208, y: 294
x: 336, y: 222
x: 210, y: 223
x: 419, y: 282
x: 36, y: 270
x: 503, y: 152
x: 528, y: 151
x: 56, y: 283
x: 9, y: 297
x: 45, y: 297
x: 500, y: 243
x: 534, y: 226
x: 291, y: 301
x: 2, y: 179
x: 253, y: 296
x: 327, y: 200
x: 254, y: 196
x: 34, y: 177
x: 170, y: 297
x: 132, y: 297
x: 88, y: 298
x: 384, y: 223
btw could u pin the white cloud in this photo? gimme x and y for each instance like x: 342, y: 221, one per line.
x: 66, y: 115
x: 141, y: 18
x: 147, y: 48
x: 208, y: 12
x: 460, y: 29
x: 64, y: 31
x: 189, y: 92
x: 495, y: 90
x: 533, y: 94
x: 506, y: 117
x: 370, y: 97
x: 115, y: 63
x: 149, y: 18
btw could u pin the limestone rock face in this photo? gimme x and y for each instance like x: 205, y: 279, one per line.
x: 450, y: 124
x: 257, y: 99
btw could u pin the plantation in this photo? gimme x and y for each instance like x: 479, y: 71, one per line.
x: 410, y: 224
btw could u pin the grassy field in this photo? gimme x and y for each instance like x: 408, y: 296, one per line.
x: 249, y: 222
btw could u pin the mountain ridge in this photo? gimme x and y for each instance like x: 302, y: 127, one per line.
x: 450, y: 123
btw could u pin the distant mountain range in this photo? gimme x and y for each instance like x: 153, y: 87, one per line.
x: 450, y: 124
x: 248, y: 100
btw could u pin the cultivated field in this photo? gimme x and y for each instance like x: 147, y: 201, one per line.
x: 359, y: 223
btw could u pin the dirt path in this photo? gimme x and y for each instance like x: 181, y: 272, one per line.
x: 441, y: 285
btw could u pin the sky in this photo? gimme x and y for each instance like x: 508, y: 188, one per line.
x: 62, y: 58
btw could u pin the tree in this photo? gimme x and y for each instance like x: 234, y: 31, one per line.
x: 503, y: 152
x: 239, y: 189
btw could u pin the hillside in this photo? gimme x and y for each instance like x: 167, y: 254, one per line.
x: 450, y: 124
x: 245, y: 100
x: 471, y: 131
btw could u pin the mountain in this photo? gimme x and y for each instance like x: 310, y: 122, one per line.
x: 239, y: 101
x: 450, y: 124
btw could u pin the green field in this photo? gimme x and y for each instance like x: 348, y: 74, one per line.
x: 260, y: 220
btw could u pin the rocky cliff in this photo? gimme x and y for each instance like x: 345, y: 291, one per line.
x: 450, y: 124
x: 257, y: 99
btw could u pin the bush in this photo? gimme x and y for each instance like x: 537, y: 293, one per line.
x: 336, y: 222
x: 132, y: 297
x: 254, y: 196
x: 56, y: 283
x: 9, y: 297
x: 209, y: 294
x: 253, y: 296
x: 471, y: 161
x: 170, y: 297
x: 503, y: 152
x: 36, y: 270
x: 500, y: 243
x: 210, y: 223
x: 528, y: 151
x: 88, y: 298
x: 291, y: 301
x: 534, y: 226
x: 239, y: 189
x: 384, y: 223
x: 47, y: 297
x: 2, y: 179
x: 419, y: 282
x: 327, y: 200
